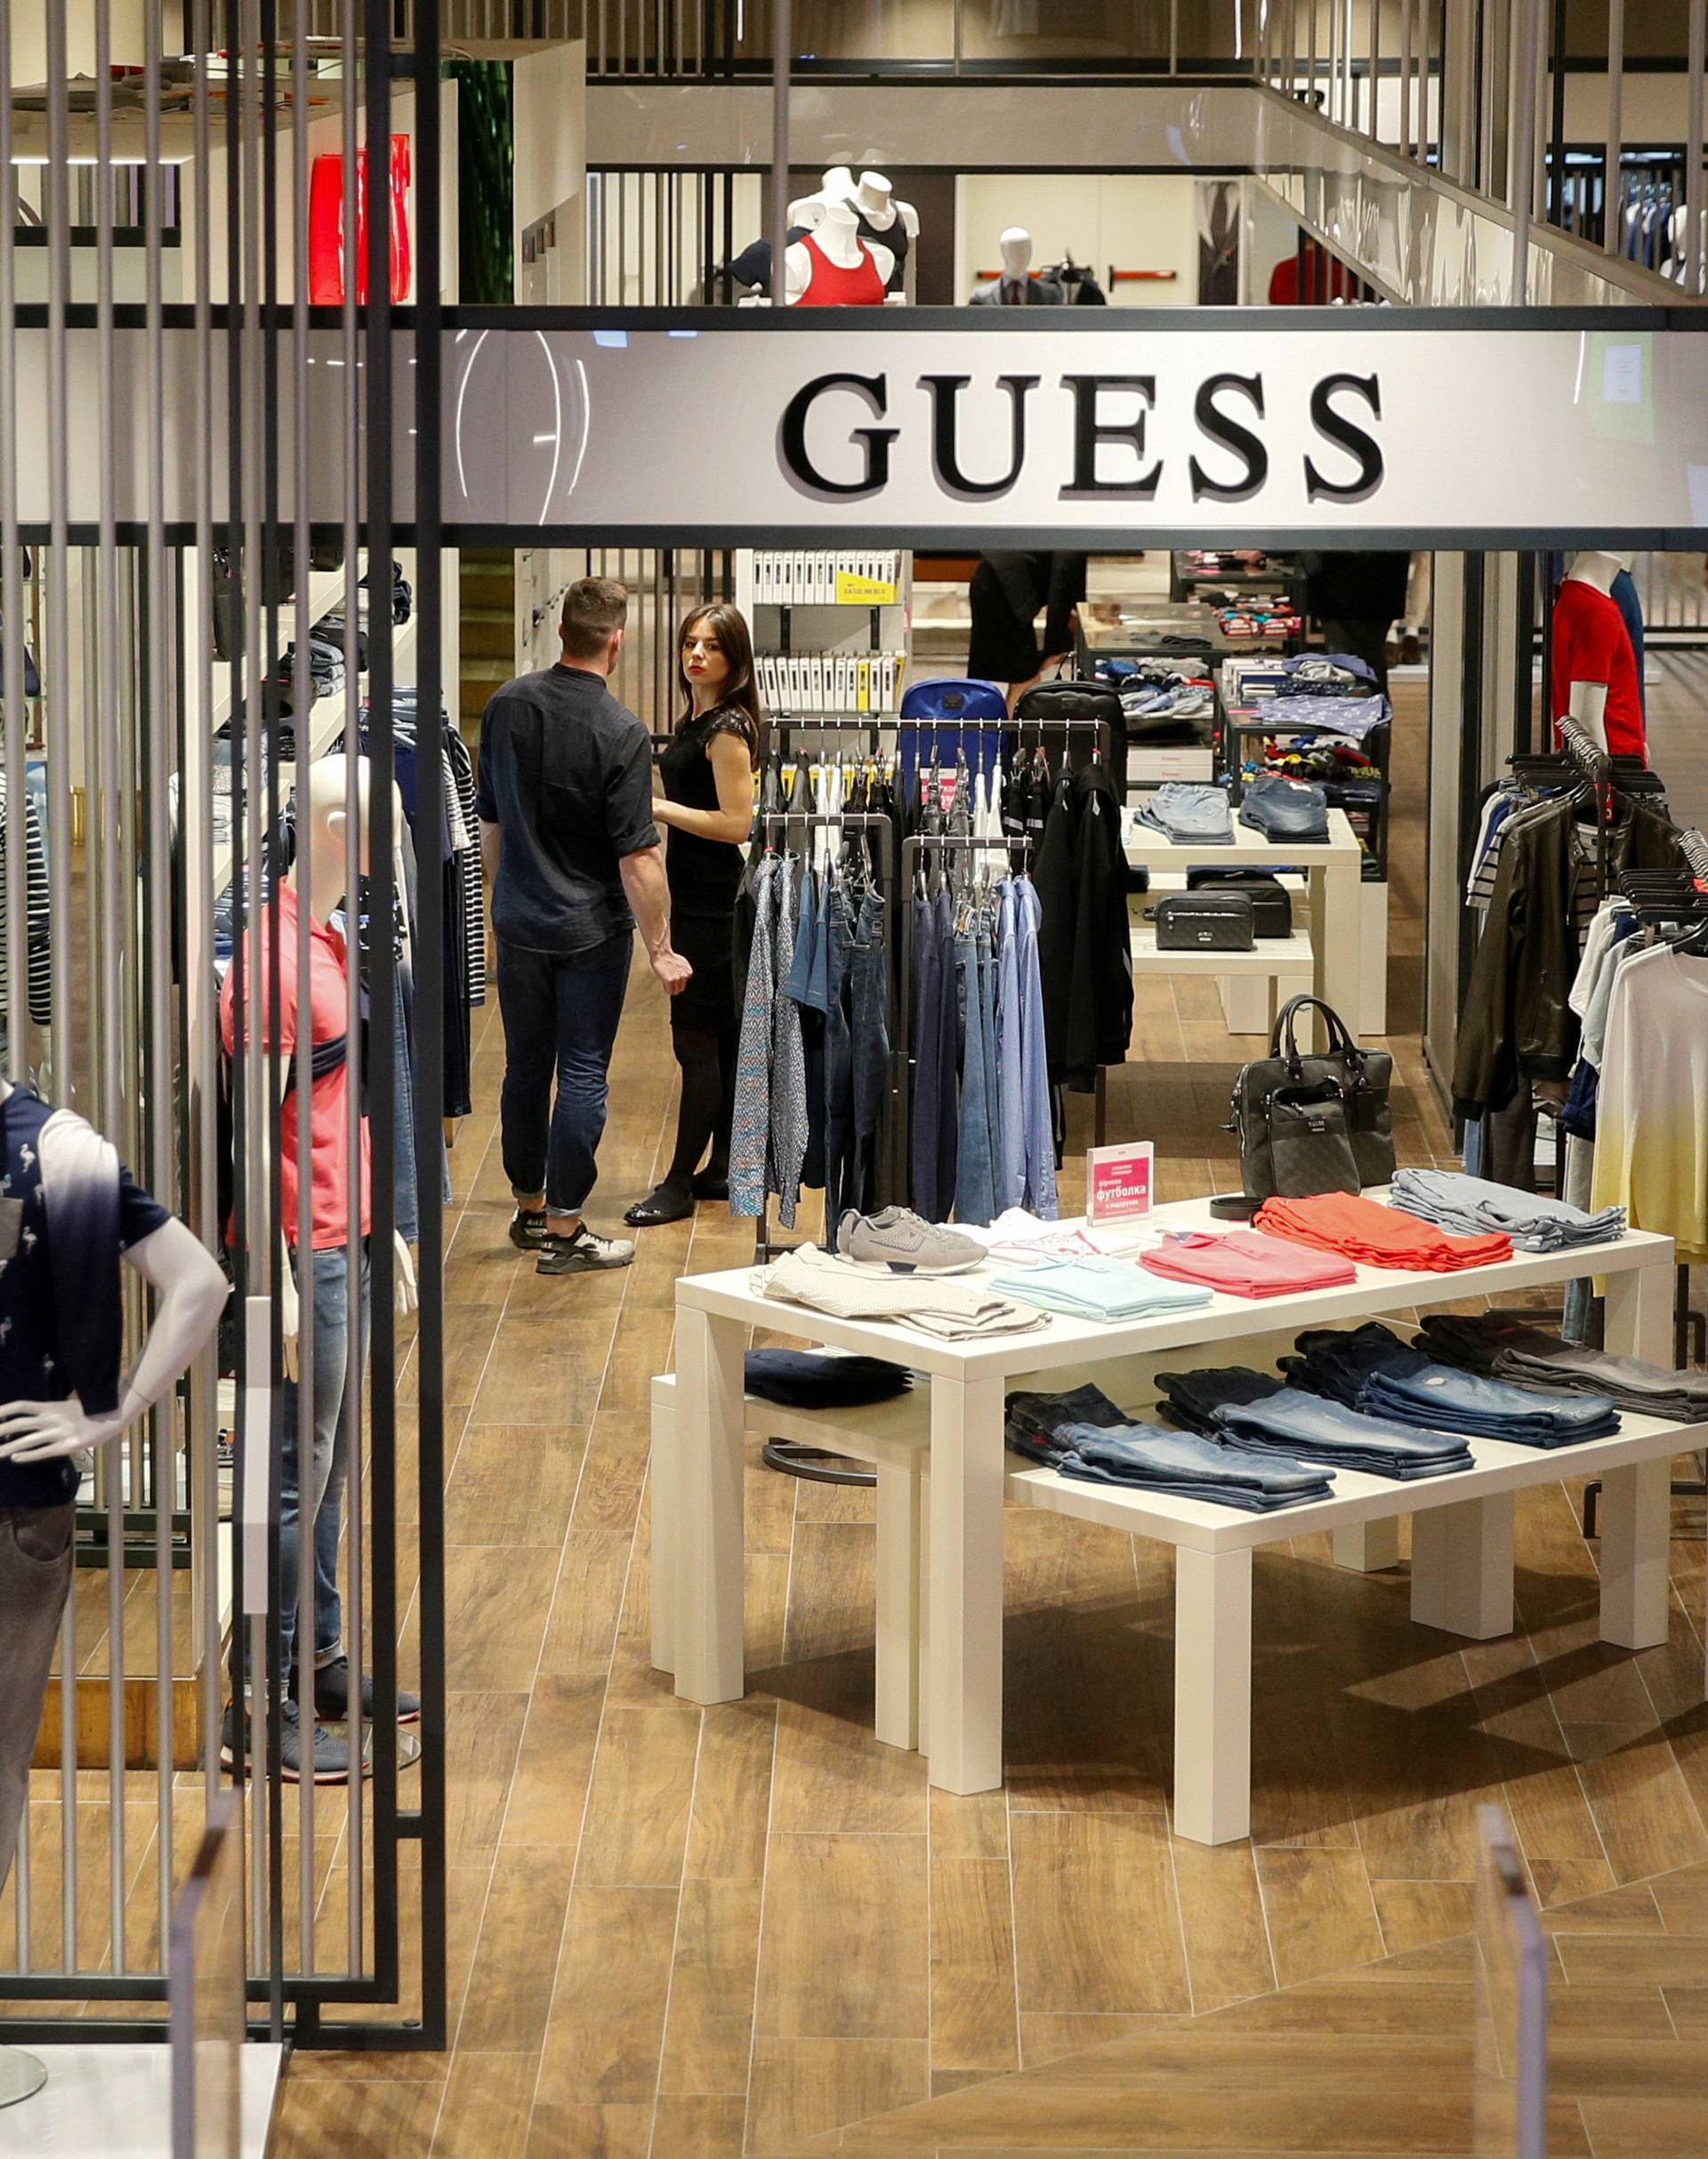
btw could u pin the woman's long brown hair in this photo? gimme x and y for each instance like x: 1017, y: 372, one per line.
x: 740, y: 690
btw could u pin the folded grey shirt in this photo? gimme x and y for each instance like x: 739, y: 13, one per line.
x: 955, y: 1309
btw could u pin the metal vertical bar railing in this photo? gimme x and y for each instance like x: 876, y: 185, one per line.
x: 12, y: 703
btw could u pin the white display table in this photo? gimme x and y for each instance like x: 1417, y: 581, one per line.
x: 1462, y: 1538
x: 1334, y: 872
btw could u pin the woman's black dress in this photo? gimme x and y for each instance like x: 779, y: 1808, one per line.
x: 704, y: 876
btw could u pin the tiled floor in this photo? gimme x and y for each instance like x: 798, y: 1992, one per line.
x: 697, y: 1935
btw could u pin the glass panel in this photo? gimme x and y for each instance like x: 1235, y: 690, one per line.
x: 205, y: 1982
x: 1511, y: 2011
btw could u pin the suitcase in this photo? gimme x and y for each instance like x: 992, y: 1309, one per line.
x: 947, y: 714
x: 1072, y: 718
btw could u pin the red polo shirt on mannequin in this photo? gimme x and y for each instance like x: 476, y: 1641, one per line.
x: 1590, y: 644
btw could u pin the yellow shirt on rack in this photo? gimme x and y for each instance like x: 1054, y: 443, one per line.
x: 1651, y: 1117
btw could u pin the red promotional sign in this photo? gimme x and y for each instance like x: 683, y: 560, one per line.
x: 327, y: 226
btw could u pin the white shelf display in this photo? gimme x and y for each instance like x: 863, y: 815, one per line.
x: 831, y: 630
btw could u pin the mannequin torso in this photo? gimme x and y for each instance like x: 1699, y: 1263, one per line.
x: 1593, y: 667
x: 834, y: 267
x: 890, y: 224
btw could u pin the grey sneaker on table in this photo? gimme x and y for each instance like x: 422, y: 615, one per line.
x: 904, y: 1242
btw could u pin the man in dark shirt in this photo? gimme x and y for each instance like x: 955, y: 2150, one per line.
x: 565, y: 797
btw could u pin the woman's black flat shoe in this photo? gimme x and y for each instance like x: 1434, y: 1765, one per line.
x: 658, y: 1207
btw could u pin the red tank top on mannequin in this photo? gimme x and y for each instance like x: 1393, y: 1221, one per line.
x: 831, y: 285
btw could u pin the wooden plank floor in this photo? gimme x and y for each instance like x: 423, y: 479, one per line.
x: 695, y: 1935
x: 1387, y: 2068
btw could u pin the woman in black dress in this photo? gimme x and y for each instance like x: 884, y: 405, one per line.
x: 707, y: 774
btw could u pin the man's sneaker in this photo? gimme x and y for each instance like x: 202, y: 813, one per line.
x: 328, y: 1754
x: 331, y: 1695
x: 582, y: 1253
x: 906, y: 1244
x: 527, y: 1230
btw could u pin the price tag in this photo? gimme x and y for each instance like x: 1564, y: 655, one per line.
x: 855, y: 592
x: 1118, y: 1182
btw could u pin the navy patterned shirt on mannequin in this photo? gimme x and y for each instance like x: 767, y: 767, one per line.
x: 31, y: 1344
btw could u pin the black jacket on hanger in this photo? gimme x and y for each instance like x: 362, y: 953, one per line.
x: 1084, y: 953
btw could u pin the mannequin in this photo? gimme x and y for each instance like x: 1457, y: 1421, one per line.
x: 837, y: 187
x: 834, y: 267
x: 886, y: 222
x: 318, y: 875
x: 71, y: 1212
x: 1592, y: 664
x: 1017, y: 287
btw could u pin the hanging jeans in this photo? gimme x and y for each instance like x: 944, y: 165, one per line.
x: 993, y: 1089
x: 974, y: 1197
x: 856, y: 1052
x: 335, y: 1371
x: 935, y: 1055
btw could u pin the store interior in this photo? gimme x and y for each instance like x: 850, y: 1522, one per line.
x: 735, y: 1775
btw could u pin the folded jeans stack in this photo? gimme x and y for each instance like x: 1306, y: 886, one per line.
x: 1033, y: 1423
x: 955, y: 1309
x: 1471, y: 1205
x: 1108, y: 1290
x: 1369, y: 1369
x: 1083, y: 1435
x: 1245, y: 1263
x: 1374, y: 1236
x: 1192, y: 1399
x: 1188, y: 814
x: 813, y: 1379
x: 1313, y: 1429
x: 1507, y: 1349
x: 1185, y: 1465
x: 1286, y: 809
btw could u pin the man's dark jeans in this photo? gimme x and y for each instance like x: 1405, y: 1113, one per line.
x: 561, y: 1018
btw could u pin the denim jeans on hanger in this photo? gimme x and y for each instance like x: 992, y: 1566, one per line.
x: 935, y: 1055
x: 993, y: 1089
x: 869, y: 1009
x: 974, y: 1197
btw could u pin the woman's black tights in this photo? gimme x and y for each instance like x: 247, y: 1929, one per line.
x: 707, y: 1058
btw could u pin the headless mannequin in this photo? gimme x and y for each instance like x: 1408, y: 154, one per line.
x: 1587, y: 702
x: 875, y: 201
x: 35, y: 1579
x: 325, y: 824
x: 837, y: 238
x: 837, y: 186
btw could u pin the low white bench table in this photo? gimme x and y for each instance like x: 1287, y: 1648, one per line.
x: 1463, y: 1534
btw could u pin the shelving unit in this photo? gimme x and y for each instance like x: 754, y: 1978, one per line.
x: 854, y: 628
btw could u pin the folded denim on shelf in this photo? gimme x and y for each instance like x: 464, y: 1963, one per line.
x: 1286, y: 810
x: 1182, y: 1465
x: 1337, y: 1361
x: 1194, y: 1397
x: 813, y: 1379
x: 1245, y: 1263
x: 1445, y: 1400
x: 1508, y: 1349
x: 1189, y: 812
x: 1039, y: 1420
x: 1470, y: 1205
x: 1109, y: 1290
x: 955, y: 1308
x: 1375, y: 1236
x: 1314, y: 1430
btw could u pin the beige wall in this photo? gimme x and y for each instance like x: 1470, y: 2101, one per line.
x: 1134, y: 220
